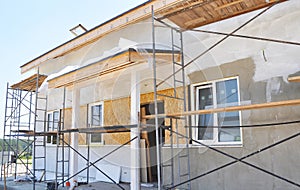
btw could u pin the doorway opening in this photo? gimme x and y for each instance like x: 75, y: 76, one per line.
x: 149, y: 135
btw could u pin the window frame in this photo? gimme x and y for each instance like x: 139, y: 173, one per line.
x: 195, y: 118
x: 90, y: 106
x: 52, y: 137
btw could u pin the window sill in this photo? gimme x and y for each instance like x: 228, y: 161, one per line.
x: 92, y: 145
x: 240, y: 145
x: 51, y: 145
x: 237, y: 145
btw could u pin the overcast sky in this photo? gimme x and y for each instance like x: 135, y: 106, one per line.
x: 30, y: 28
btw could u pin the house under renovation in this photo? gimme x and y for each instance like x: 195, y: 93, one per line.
x: 193, y: 94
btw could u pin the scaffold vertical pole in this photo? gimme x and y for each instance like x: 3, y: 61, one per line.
x: 158, y: 148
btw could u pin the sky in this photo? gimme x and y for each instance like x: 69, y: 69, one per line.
x: 32, y: 27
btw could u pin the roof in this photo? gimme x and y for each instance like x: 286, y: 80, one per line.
x: 192, y: 14
x: 30, y: 83
x: 186, y: 14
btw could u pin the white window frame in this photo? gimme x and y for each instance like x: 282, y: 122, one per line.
x: 51, y: 130
x: 90, y: 120
x: 194, y: 101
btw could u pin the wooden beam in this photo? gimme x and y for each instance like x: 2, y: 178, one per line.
x: 107, y: 129
x: 32, y: 133
x: 184, y: 9
x: 230, y: 109
x: 191, y: 23
x: 228, y: 5
x: 294, y: 79
x: 181, y: 8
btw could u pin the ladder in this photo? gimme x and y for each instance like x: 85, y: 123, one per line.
x: 11, y: 121
x: 39, y: 143
x: 6, y: 142
x: 183, y: 157
x: 62, y: 170
x: 174, y: 165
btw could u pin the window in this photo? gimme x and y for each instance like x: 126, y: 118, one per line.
x: 52, y: 125
x: 96, y: 120
x: 217, y: 94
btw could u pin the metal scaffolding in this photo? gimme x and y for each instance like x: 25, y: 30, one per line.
x: 180, y: 161
x: 26, y: 122
x: 21, y: 110
x: 179, y: 68
x: 30, y: 127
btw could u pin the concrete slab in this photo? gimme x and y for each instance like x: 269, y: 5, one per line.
x: 12, y: 185
x: 109, y: 186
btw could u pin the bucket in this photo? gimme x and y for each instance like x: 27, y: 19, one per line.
x: 68, y: 184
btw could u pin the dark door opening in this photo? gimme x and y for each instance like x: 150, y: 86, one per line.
x: 150, y: 137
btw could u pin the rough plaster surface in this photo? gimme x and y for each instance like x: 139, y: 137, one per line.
x: 280, y: 22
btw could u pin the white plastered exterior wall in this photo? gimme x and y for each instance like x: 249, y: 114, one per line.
x: 113, y: 86
x: 281, y: 60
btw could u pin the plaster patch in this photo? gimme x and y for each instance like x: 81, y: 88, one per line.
x: 272, y: 88
x: 280, y: 60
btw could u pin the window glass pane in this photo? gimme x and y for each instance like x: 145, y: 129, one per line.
x: 229, y: 134
x: 96, y: 110
x: 96, y: 138
x: 54, y: 139
x: 48, y: 139
x: 96, y: 120
x: 227, y: 95
x: 205, y: 132
x: 56, y: 115
x: 205, y: 101
x: 96, y: 115
x: 50, y: 122
x: 227, y: 92
x: 55, y: 119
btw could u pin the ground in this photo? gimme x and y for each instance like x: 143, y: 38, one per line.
x: 12, y: 185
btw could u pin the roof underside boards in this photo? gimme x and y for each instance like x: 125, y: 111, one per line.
x: 30, y: 84
x: 110, y: 64
x: 185, y: 13
x: 195, y: 13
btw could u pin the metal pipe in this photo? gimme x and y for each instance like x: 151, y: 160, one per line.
x: 248, y: 37
x: 155, y: 105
